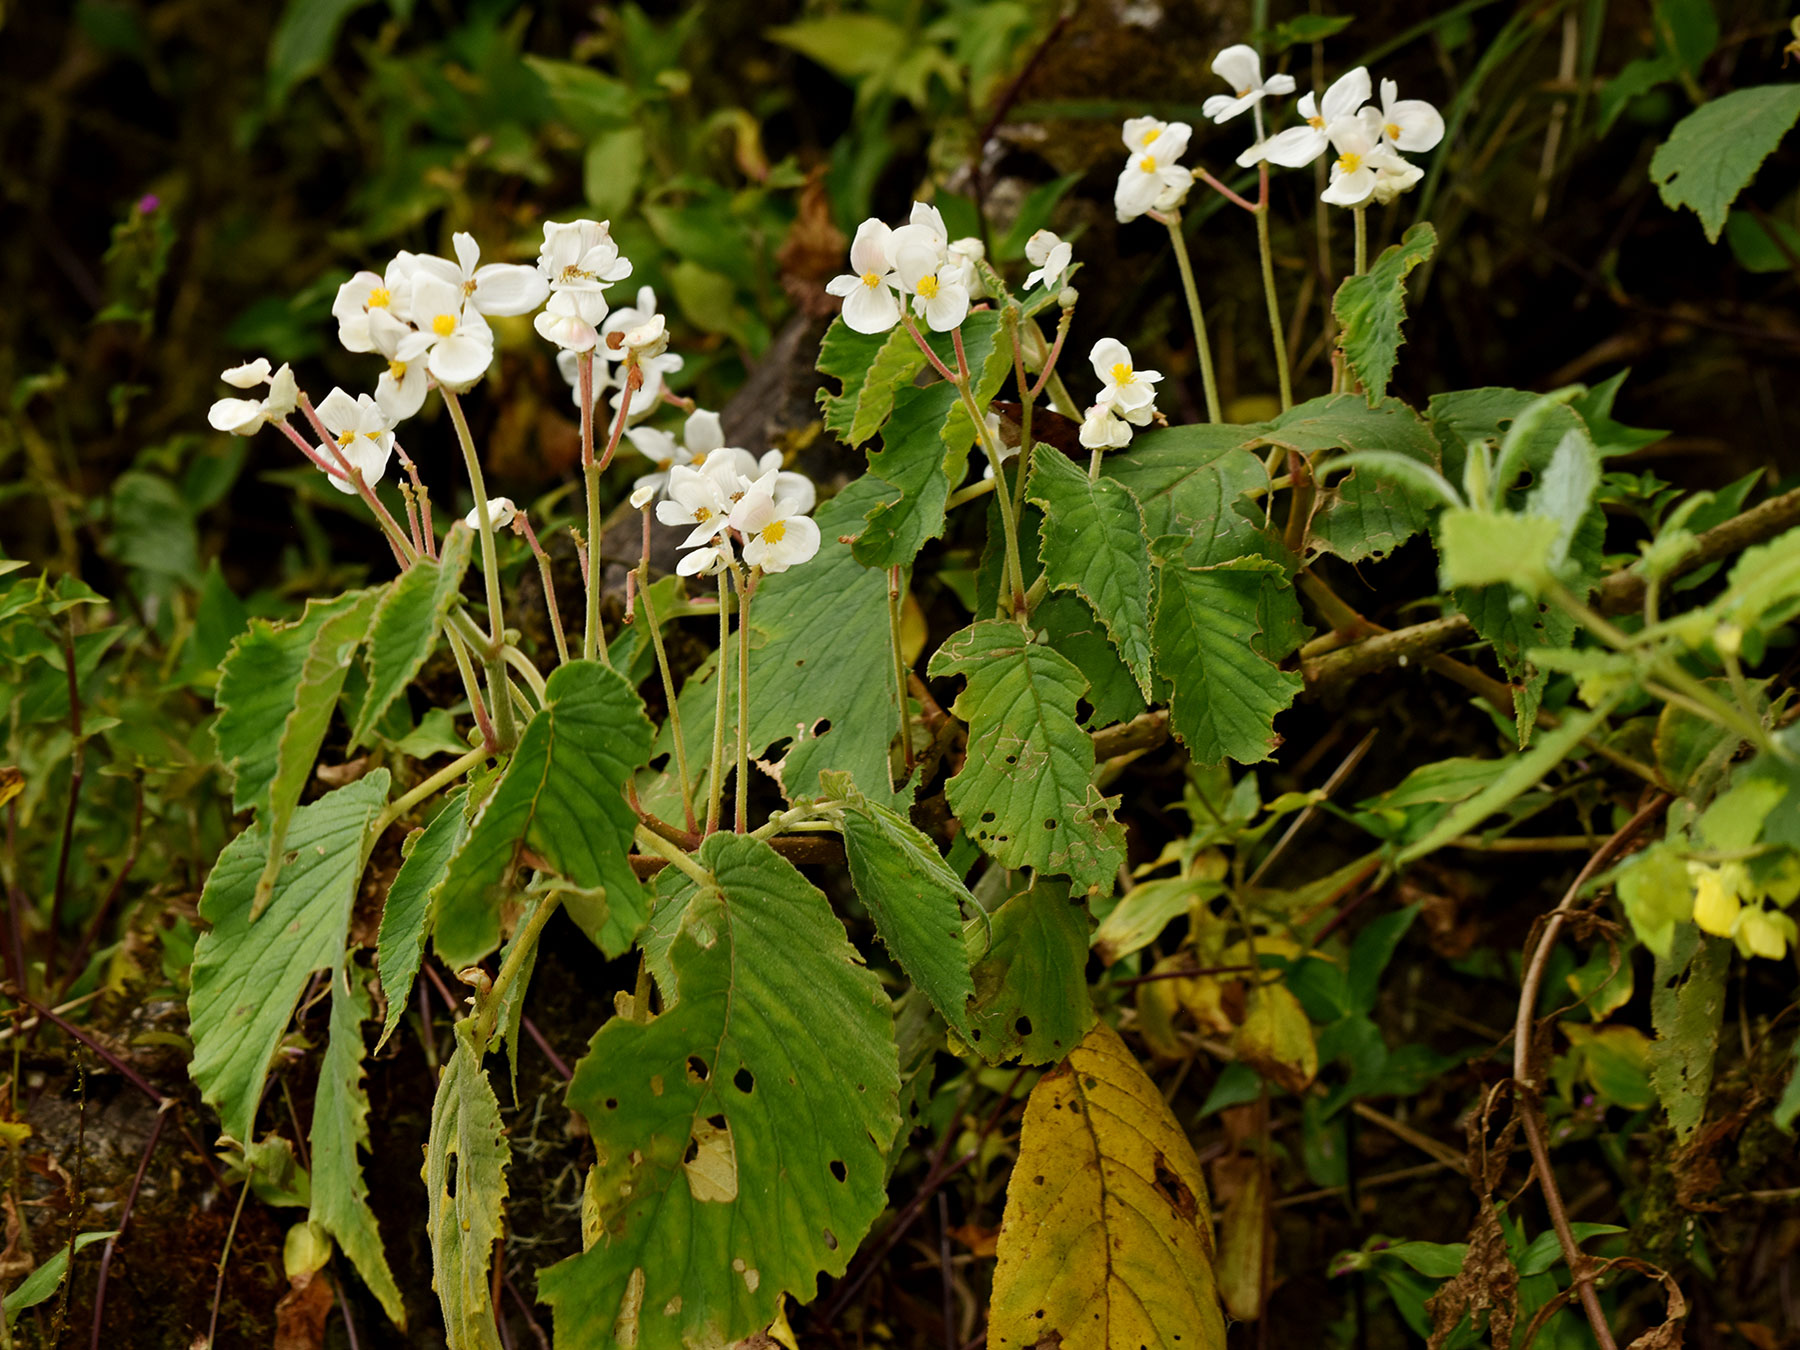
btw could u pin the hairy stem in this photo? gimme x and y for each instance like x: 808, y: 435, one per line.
x: 714, y: 786
x: 1276, y: 329
x: 1204, y: 348
x: 505, y: 728
x: 906, y: 749
x: 668, y: 683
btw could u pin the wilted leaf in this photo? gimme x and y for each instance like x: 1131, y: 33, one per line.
x: 1687, y: 1004
x: 1276, y: 1039
x: 465, y: 1185
x: 1106, y: 1242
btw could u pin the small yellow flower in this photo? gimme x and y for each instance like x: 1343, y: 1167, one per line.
x: 1763, y: 932
x: 1716, y: 896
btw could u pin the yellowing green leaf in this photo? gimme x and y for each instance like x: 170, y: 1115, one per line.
x: 1276, y: 1039
x: 1106, y: 1243
x: 1687, y: 1005
x: 465, y: 1184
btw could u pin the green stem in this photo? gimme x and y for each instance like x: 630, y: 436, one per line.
x: 746, y: 593
x: 715, y: 787
x: 442, y: 778
x: 524, y: 943
x: 1362, y: 239
x: 505, y: 728
x: 472, y: 687
x: 1014, y: 588
x: 1266, y: 249
x: 682, y: 862
x: 1173, y: 221
x: 527, y: 672
x: 668, y: 683
x: 970, y: 493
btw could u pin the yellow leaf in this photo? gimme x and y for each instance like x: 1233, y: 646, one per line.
x: 1276, y: 1039
x: 1107, y: 1239
x: 1243, y: 1231
x: 12, y: 783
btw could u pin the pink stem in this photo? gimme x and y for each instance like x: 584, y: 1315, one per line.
x: 1226, y: 192
x: 1062, y: 331
x: 634, y: 377
x: 585, y: 364
x: 925, y: 347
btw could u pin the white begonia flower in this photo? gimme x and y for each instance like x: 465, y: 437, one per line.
x: 705, y: 562
x: 1299, y: 146
x: 500, y: 513
x: 455, y: 341
x: 1393, y: 179
x: 580, y: 259
x: 245, y: 416
x: 1124, y: 388
x: 643, y: 494
x: 867, y: 290
x: 1051, y: 256
x: 794, y: 492
x: 364, y: 436
x: 648, y: 340
x: 699, y: 437
x: 1103, y: 429
x: 696, y: 500
x: 776, y: 537
x: 938, y: 294
x: 1408, y: 123
x: 366, y: 294
x: 499, y: 289
x: 1241, y: 68
x: 401, y: 389
x: 248, y: 375
x: 1151, y: 176
x: 1361, y: 157
x: 560, y: 322
x: 655, y: 368
x: 964, y: 255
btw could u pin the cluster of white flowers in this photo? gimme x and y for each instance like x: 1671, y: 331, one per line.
x: 728, y: 500
x: 625, y: 322
x: 1151, y: 179
x: 1368, y: 140
x: 1127, y: 397
x: 918, y: 266
x: 242, y: 416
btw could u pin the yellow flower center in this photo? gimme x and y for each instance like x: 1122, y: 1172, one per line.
x: 664, y: 465
x: 1121, y: 373
x: 397, y: 369
x: 574, y: 273
x: 380, y: 298
x: 1349, y: 162
x: 344, y: 439
x: 1148, y: 164
x: 444, y: 325
x: 1393, y: 131
x: 1316, y: 123
x: 469, y: 286
x: 774, y: 532
x: 928, y: 286
x: 1152, y: 134
x: 702, y: 514
x: 871, y: 280
x: 1244, y: 92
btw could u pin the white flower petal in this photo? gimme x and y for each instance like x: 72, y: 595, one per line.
x: 248, y: 375
x: 239, y: 416
x: 1240, y: 67
x: 459, y: 360
x: 503, y: 289
x: 871, y: 309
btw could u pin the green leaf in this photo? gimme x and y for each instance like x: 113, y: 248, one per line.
x: 1545, y: 1252
x: 612, y: 169
x: 1687, y: 1005
x: 303, y: 42
x: 1761, y: 243
x: 406, y: 914
x: 916, y: 468
x: 247, y: 977
x: 340, y: 1127
x: 1092, y: 542
x: 1030, y: 970
x: 1658, y: 896
x: 153, y: 529
x: 1146, y: 909
x: 870, y: 369
x: 1192, y: 481
x: 406, y: 627
x: 1069, y: 625
x: 562, y: 796
x: 1715, y: 151
x: 1635, y: 78
x: 590, y: 101
x: 742, y: 1132
x: 1383, y: 501
x: 1212, y: 624
x: 48, y: 1278
x: 917, y: 902
x: 1371, y: 308
x: 277, y: 692
x: 463, y: 1219
x: 1522, y: 773
x: 1494, y: 548
x: 1026, y: 790
x: 1437, y: 1260
x: 848, y: 45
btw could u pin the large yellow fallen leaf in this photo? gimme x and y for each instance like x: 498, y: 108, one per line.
x: 1107, y: 1239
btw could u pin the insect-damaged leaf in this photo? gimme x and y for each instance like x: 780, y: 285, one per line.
x: 1687, y: 1002
x: 1026, y: 791
x: 1371, y: 307
x: 1107, y: 1239
x: 465, y: 1185
x: 563, y: 797
x: 1030, y: 971
x: 742, y: 1133
x: 247, y: 976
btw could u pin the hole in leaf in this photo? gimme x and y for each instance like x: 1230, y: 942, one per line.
x: 450, y: 1176
x: 830, y: 1240
x: 745, y: 1081
x: 1049, y: 824
x: 821, y: 726
x: 697, y: 1069
x: 612, y: 1103
x: 1023, y: 1026
x: 987, y: 817
x: 716, y: 1120
x: 659, y: 762
x: 838, y: 1169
